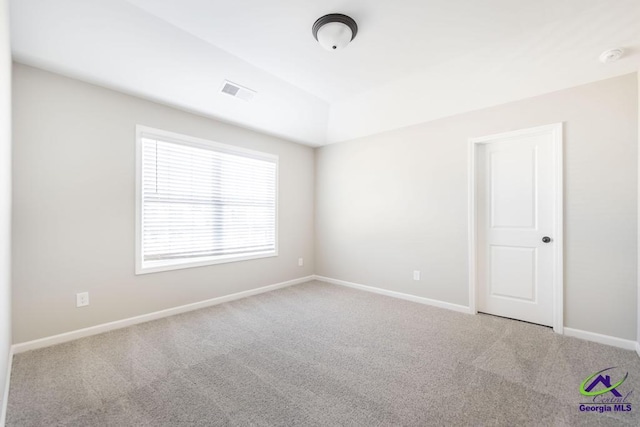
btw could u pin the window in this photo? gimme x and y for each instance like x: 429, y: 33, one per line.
x: 201, y: 202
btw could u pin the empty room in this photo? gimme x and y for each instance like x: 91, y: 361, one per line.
x: 305, y: 213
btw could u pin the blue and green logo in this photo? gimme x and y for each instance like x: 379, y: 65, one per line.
x: 603, y: 392
x: 604, y: 380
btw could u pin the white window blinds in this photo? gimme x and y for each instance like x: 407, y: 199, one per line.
x: 204, y: 203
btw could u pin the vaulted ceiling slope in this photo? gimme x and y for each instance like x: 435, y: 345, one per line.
x: 412, y: 61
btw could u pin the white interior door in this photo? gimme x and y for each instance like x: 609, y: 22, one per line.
x: 516, y: 214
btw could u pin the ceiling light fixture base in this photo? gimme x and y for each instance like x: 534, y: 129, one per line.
x: 334, y: 31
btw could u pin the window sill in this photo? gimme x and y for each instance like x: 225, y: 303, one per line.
x: 158, y: 266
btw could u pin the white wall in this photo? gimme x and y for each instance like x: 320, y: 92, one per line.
x: 516, y: 67
x: 74, y: 211
x: 5, y: 197
x: 116, y: 44
x: 397, y: 201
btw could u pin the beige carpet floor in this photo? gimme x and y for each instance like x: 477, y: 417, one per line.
x: 318, y: 355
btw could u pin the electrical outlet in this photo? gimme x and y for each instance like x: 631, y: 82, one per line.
x: 416, y: 275
x: 300, y: 262
x: 82, y: 299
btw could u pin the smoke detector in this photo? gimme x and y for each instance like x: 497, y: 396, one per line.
x: 237, y: 91
x: 611, y: 55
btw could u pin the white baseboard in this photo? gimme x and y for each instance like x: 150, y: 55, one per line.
x: 119, y: 324
x: 576, y: 333
x: 106, y: 327
x: 400, y: 295
x: 601, y: 339
x: 5, y: 396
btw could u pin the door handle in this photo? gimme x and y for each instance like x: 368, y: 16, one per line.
x: 546, y: 239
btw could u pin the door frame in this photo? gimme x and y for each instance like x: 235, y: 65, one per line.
x: 556, y: 131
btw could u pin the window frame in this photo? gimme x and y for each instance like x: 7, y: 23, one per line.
x: 142, y: 267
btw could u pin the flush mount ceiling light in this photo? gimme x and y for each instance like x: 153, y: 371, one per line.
x: 334, y: 31
x: 611, y: 55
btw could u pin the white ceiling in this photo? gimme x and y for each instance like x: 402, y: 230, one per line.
x: 412, y: 61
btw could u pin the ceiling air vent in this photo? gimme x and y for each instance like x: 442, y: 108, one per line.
x: 237, y: 91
